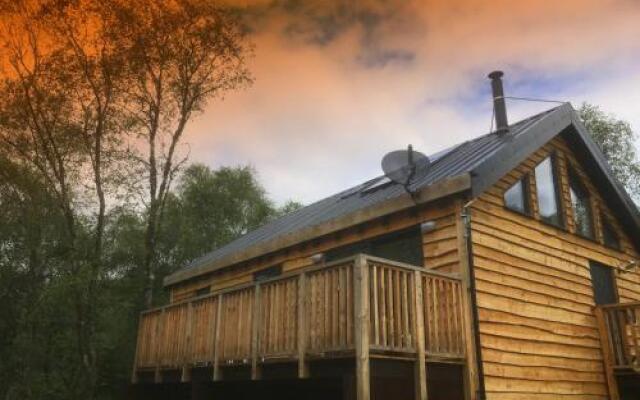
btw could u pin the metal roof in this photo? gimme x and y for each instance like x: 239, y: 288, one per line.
x: 485, y: 159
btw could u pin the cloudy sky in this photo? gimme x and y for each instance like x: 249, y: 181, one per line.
x: 340, y: 83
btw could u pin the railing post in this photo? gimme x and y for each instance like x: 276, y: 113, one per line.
x: 157, y: 375
x: 607, y: 356
x: 361, y: 313
x: 186, y: 369
x: 216, y: 341
x: 303, y: 368
x: 420, y: 378
x: 255, y: 324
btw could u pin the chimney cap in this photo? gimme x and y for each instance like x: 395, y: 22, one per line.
x: 496, y: 74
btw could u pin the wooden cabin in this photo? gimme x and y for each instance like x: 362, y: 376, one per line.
x: 508, y: 273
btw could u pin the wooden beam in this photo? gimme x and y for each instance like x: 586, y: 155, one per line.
x: 607, y: 357
x: 216, y: 340
x: 361, y: 313
x: 255, y: 327
x: 303, y: 368
x: 420, y: 378
x: 471, y: 371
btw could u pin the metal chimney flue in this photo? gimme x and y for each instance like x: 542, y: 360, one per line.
x: 499, y: 105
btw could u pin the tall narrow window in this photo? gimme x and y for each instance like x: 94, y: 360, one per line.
x: 546, y: 189
x: 603, y: 282
x: 609, y: 234
x: 581, y: 207
x: 516, y: 198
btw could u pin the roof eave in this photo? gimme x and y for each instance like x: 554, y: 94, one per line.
x: 438, y: 190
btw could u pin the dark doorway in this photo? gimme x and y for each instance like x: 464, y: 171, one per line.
x: 603, y: 283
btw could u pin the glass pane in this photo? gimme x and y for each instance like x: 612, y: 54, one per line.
x: 546, y: 190
x: 581, y: 209
x: 602, y: 279
x: 609, y: 234
x: 514, y: 197
x: 405, y: 247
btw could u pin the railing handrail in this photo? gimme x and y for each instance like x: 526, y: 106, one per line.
x: 631, y: 304
x: 306, y: 270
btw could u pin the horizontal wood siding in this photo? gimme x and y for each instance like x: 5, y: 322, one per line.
x: 537, y: 326
x: 440, y: 249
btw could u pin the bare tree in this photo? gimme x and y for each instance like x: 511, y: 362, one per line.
x: 59, y: 114
x: 183, y: 53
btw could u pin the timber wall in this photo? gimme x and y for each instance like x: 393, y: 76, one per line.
x: 537, y: 327
x: 440, y: 249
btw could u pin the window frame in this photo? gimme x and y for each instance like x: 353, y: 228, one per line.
x: 557, y: 188
x: 614, y: 281
x: 526, y: 196
x: 573, y: 178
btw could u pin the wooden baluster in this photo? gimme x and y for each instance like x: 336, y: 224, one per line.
x: 159, y: 332
x: 303, y: 369
x: 607, y: 356
x: 216, y: 340
x: 361, y: 314
x: 634, y: 324
x: 255, y: 370
x: 420, y: 377
x: 186, y: 369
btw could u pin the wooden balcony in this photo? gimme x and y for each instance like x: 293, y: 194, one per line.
x: 358, y: 307
x: 619, y: 326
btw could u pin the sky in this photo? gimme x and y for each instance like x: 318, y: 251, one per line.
x: 338, y: 84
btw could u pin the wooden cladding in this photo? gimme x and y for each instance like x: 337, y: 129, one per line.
x: 312, y: 312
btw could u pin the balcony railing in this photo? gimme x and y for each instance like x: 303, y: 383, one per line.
x: 324, y: 311
x: 621, y: 334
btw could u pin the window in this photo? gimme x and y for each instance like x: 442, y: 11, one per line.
x: 516, y: 198
x: 203, y: 291
x: 546, y: 189
x: 581, y: 207
x: 267, y: 273
x: 404, y: 246
x: 603, y: 282
x: 609, y: 234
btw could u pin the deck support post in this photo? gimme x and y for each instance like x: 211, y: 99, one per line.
x: 420, y: 377
x: 255, y: 325
x: 471, y: 376
x: 216, y: 341
x: 607, y: 356
x: 303, y: 367
x: 361, y: 313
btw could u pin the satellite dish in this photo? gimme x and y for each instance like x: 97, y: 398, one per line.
x: 400, y: 166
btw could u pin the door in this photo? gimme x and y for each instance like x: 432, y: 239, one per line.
x: 603, y: 283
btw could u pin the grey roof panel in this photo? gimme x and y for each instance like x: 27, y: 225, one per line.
x: 448, y: 163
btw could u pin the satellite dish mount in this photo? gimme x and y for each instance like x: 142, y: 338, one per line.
x: 400, y: 166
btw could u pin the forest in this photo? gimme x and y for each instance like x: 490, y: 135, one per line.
x: 99, y: 200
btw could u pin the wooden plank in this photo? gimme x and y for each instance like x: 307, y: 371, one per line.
x: 361, y: 332
x: 303, y: 368
x: 420, y: 378
x: 216, y: 342
x: 255, y: 368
